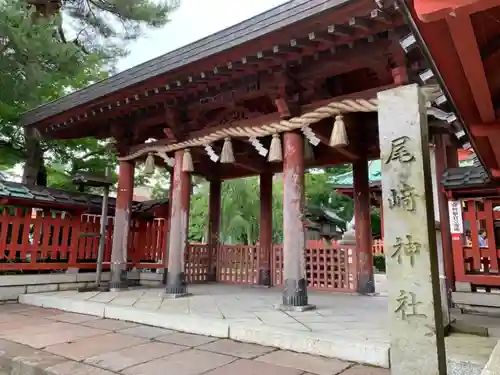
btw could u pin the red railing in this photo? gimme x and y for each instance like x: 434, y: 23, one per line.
x: 52, y: 241
x: 378, y: 247
x: 472, y: 263
x: 148, y: 243
x: 328, y: 267
x: 237, y: 264
x: 197, y: 263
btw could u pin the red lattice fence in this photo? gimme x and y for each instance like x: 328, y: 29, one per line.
x: 55, y: 240
x: 472, y: 263
x: 328, y: 267
x: 237, y: 264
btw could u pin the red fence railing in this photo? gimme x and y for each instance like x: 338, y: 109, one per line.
x: 328, y: 267
x: 473, y: 263
x: 237, y: 264
x: 52, y: 241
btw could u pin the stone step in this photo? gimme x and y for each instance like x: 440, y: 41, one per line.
x: 477, y: 300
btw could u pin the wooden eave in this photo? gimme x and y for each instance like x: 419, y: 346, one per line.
x: 188, y: 78
x: 462, y: 39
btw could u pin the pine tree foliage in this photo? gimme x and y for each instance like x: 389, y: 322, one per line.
x: 47, y: 51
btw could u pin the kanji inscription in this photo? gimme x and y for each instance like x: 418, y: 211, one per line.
x: 408, y: 248
x: 399, y: 151
x: 413, y: 283
x: 403, y: 197
x: 408, y: 305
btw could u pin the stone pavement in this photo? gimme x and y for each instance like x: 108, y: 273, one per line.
x: 46, y: 341
x: 347, y: 327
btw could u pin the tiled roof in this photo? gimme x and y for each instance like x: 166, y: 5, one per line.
x: 455, y: 178
x: 374, y: 175
x: 254, y: 28
x: 41, y: 196
x: 375, y: 172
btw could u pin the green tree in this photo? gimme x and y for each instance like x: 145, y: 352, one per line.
x: 241, y: 209
x: 46, y: 52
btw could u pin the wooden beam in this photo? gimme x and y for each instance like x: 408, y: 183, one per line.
x: 434, y: 10
x: 464, y: 39
x: 252, y: 164
x: 486, y: 130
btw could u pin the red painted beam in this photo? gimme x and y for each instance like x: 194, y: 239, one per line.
x: 464, y: 39
x: 440, y: 44
x: 433, y: 10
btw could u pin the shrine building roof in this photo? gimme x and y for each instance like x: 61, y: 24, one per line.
x: 181, y: 92
x: 17, y: 194
x: 252, y: 29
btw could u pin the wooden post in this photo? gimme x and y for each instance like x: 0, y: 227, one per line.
x: 415, y: 313
x: 265, y: 229
x: 179, y: 225
x: 444, y: 213
x: 213, y: 227
x: 121, y: 230
x: 363, y: 227
x: 167, y: 239
x: 294, y: 272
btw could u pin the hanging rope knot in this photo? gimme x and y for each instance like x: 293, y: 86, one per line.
x: 339, y: 133
x: 227, y: 155
x: 149, y: 167
x: 275, y: 151
x: 187, y: 161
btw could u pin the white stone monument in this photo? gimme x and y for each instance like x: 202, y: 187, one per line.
x: 416, y: 319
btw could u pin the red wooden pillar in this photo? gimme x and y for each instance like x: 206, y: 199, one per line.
x: 443, y: 153
x: 214, y: 205
x: 121, y: 228
x: 179, y: 225
x: 167, y: 235
x: 363, y: 226
x: 294, y: 272
x: 265, y: 229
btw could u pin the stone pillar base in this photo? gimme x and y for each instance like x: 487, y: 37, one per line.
x: 176, y: 295
x: 295, y: 293
x: 176, y: 285
x: 264, y: 278
x: 283, y: 307
x: 118, y: 283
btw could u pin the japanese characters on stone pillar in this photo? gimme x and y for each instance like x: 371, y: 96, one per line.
x: 417, y: 334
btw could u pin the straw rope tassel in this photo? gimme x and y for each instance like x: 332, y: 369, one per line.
x: 149, y: 167
x: 339, y: 133
x: 308, y: 150
x: 275, y: 152
x: 187, y: 161
x: 227, y: 155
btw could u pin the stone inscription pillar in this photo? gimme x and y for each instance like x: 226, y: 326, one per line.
x: 179, y: 224
x: 265, y: 229
x: 417, y: 334
x: 121, y: 229
x: 363, y: 227
x: 213, y: 227
x: 294, y: 271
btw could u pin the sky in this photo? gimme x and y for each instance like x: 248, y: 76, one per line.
x: 193, y: 20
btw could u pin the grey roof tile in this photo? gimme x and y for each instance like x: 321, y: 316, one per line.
x: 251, y: 29
x: 462, y: 177
x: 40, y: 195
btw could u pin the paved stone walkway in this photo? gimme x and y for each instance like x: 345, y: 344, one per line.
x: 60, y: 343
